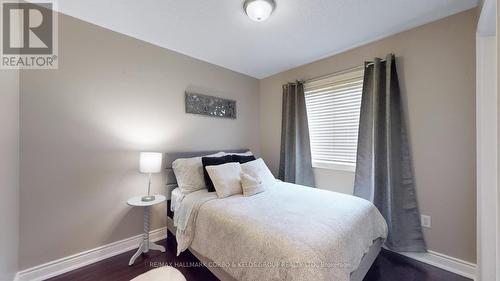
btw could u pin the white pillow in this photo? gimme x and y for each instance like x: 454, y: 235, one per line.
x: 189, y: 173
x: 258, y: 168
x: 251, y: 185
x: 226, y: 179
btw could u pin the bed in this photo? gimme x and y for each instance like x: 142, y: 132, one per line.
x: 288, y: 232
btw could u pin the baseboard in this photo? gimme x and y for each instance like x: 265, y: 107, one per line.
x: 60, y: 266
x: 457, y: 266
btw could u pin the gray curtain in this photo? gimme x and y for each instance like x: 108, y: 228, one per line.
x: 295, y: 155
x: 384, y: 173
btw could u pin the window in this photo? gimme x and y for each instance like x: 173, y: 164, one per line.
x: 333, y: 108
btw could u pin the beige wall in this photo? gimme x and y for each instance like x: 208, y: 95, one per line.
x: 498, y: 137
x: 9, y: 173
x: 436, y: 64
x: 83, y: 125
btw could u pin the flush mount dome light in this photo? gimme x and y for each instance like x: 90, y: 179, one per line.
x: 259, y: 10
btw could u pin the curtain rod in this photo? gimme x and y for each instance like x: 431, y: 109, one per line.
x: 371, y: 63
x: 339, y: 72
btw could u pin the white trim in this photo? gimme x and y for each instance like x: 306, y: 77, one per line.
x: 487, y: 23
x: 60, y: 266
x: 451, y: 264
x: 66, y: 264
x: 487, y: 157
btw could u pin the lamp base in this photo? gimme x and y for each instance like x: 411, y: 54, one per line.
x: 147, y: 198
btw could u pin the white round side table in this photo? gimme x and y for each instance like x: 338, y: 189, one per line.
x: 145, y: 245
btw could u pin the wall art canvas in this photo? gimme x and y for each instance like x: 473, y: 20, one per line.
x: 210, y: 105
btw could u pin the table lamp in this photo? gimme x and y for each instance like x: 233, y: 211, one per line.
x: 150, y: 163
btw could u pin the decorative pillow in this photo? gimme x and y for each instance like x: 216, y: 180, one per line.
x: 189, y: 173
x: 242, y: 159
x: 258, y: 169
x: 251, y: 185
x: 226, y: 179
x: 213, y: 161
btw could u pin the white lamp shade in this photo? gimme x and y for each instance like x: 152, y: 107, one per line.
x: 150, y: 162
x: 259, y: 10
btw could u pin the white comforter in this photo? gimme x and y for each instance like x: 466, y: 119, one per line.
x: 288, y: 232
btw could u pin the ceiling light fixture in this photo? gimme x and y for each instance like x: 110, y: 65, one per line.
x: 259, y: 10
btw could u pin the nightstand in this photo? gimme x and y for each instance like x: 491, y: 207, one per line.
x: 146, y: 245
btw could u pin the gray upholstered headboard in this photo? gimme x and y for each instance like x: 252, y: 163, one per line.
x: 172, y: 156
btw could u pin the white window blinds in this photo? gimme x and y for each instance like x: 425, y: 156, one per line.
x: 333, y: 107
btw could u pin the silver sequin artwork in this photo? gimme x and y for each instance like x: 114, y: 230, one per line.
x: 209, y: 105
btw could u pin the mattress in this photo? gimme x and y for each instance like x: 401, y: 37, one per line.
x: 289, y: 223
x: 356, y: 275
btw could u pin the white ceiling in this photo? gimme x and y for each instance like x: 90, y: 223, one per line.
x: 298, y: 32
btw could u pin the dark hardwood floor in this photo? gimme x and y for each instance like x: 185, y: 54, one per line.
x: 389, y: 266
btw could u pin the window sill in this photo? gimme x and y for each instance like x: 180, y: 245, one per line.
x: 334, y: 166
